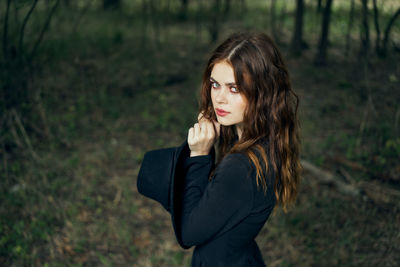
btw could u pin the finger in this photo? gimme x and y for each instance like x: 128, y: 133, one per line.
x: 200, y: 116
x: 196, y: 130
x: 202, y: 127
x: 209, y: 129
x: 190, y: 135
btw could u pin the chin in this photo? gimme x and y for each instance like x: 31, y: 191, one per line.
x: 224, y: 122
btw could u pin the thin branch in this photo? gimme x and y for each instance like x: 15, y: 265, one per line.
x: 46, y: 25
x: 22, y: 32
x: 15, y: 134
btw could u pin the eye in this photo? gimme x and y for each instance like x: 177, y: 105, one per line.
x: 214, y: 85
x: 234, y: 89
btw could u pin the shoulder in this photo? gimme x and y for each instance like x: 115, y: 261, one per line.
x: 235, y: 160
x: 235, y: 165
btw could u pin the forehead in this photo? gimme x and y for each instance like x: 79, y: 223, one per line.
x: 222, y: 72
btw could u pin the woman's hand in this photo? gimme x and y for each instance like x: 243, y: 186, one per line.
x: 202, y: 136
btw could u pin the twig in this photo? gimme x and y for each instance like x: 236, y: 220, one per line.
x: 346, y: 176
x: 25, y: 135
x: 14, y: 133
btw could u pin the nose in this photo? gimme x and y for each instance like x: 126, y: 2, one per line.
x: 221, y: 95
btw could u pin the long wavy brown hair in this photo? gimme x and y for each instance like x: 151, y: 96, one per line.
x: 270, y: 125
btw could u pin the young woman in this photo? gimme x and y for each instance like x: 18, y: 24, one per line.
x: 248, y: 120
x: 248, y: 113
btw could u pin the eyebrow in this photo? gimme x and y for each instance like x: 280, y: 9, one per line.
x: 227, y: 84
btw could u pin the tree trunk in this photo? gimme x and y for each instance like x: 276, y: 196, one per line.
x: 349, y: 27
x: 378, y: 31
x: 111, y: 4
x: 227, y: 6
x: 184, y: 8
x: 214, y: 27
x: 297, y: 39
x: 364, y: 29
x: 320, y: 58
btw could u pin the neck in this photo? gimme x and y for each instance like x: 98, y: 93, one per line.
x: 238, y: 128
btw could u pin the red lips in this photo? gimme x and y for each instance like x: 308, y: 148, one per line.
x: 221, y: 112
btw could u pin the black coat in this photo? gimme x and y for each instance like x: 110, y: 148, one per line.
x: 221, y: 217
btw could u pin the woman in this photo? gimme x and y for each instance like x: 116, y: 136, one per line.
x: 248, y: 112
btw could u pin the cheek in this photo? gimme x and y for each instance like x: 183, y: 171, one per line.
x: 241, y: 104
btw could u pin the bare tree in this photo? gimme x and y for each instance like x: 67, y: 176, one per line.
x: 18, y: 62
x: 387, y: 31
x: 320, y: 57
x: 297, y: 40
x: 381, y: 45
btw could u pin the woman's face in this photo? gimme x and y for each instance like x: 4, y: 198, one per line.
x: 229, y: 104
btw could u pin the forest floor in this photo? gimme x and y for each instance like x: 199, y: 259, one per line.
x: 122, y: 95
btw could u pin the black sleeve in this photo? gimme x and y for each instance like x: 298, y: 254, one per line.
x: 211, y: 208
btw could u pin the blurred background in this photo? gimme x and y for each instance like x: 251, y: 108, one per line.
x: 88, y: 86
